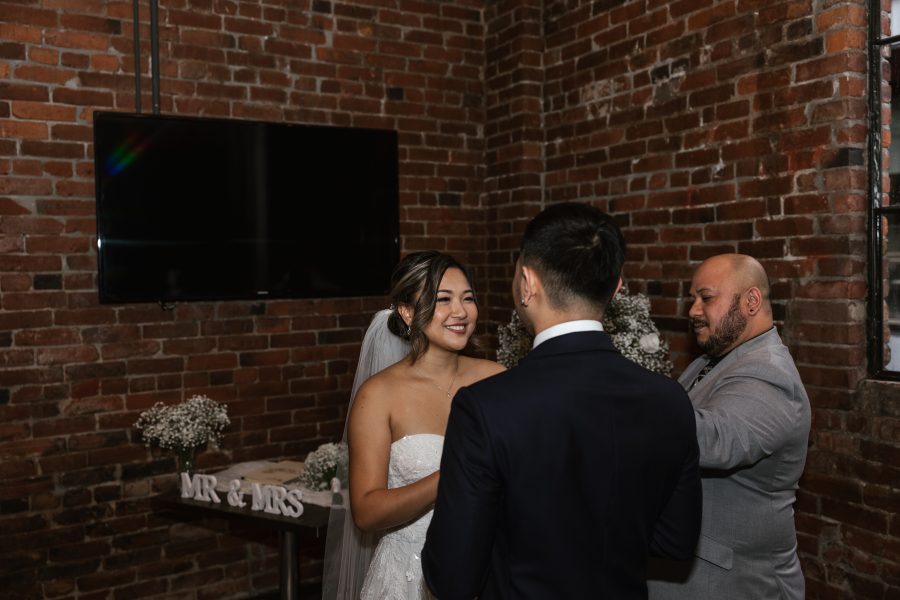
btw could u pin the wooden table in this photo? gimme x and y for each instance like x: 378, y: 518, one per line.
x: 313, y: 517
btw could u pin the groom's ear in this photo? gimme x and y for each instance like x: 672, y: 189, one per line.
x: 529, y: 283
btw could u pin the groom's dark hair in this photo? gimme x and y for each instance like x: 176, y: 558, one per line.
x: 577, y: 250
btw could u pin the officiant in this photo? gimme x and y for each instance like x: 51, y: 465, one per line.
x: 753, y: 420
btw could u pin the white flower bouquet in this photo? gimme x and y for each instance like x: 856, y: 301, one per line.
x: 184, y: 426
x: 324, y: 464
x: 627, y: 321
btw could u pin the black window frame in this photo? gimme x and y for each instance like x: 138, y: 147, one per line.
x: 878, y: 211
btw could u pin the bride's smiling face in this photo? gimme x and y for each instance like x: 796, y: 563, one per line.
x: 455, y: 312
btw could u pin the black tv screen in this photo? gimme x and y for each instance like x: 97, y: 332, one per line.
x: 213, y: 209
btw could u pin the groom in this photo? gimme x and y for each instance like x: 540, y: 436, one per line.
x: 561, y: 475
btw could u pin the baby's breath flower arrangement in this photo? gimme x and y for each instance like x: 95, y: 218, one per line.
x: 185, y: 426
x: 627, y: 321
x: 515, y: 342
x: 324, y: 464
x: 634, y: 333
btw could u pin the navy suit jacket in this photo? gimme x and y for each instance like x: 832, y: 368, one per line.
x: 560, y: 476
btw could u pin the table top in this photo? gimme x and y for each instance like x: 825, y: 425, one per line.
x: 314, y: 516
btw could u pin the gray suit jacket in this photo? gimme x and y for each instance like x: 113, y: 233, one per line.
x: 753, y: 419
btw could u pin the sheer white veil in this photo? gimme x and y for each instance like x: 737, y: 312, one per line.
x: 347, y: 549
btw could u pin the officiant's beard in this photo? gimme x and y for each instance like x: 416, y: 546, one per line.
x: 726, y: 332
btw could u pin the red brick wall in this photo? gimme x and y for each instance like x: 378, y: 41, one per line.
x: 704, y: 126
x: 75, y: 482
x: 513, y: 137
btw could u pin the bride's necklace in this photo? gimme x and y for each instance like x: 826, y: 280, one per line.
x: 449, y: 387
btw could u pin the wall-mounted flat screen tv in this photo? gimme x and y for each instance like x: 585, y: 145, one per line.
x: 216, y: 209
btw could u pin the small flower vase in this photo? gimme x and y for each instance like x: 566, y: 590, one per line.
x: 186, y: 460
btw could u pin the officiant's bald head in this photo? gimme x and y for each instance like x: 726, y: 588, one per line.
x: 729, y: 302
x: 741, y: 271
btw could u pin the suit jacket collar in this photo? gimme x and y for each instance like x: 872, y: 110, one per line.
x: 769, y: 338
x: 579, y: 341
x: 566, y: 327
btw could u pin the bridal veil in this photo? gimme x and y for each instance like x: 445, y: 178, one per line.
x: 348, y: 550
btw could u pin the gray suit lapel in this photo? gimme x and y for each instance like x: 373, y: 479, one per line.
x: 768, y: 338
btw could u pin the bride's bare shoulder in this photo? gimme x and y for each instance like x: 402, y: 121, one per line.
x: 480, y: 368
x: 382, y: 386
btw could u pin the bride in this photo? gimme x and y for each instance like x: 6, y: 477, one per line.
x: 396, y: 425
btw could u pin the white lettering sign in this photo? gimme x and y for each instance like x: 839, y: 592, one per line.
x: 199, y: 487
x: 235, y: 498
x: 272, y: 499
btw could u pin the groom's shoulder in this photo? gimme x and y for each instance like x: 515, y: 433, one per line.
x: 494, y: 376
x: 615, y: 375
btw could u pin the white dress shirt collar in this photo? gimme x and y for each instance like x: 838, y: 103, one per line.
x: 567, y: 327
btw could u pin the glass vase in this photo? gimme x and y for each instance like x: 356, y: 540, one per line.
x: 186, y: 460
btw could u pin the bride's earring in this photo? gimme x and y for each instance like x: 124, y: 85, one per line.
x: 406, y: 316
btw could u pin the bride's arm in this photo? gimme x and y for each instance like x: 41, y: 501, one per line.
x: 374, y: 506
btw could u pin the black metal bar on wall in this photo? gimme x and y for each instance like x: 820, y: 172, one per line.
x: 154, y: 53
x: 137, y: 54
x: 874, y: 319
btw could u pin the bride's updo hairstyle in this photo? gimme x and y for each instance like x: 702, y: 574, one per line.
x: 415, y: 282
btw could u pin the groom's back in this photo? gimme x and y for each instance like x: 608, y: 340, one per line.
x: 591, y: 447
x: 560, y: 476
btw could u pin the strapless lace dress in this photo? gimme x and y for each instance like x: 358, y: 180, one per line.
x: 395, y: 572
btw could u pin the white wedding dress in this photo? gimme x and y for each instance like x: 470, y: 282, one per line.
x: 395, y: 572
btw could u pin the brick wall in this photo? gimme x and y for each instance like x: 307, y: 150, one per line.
x: 75, y: 515
x: 704, y: 126
x: 711, y: 127
x: 513, y: 137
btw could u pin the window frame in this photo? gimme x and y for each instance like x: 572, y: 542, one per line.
x: 877, y: 210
